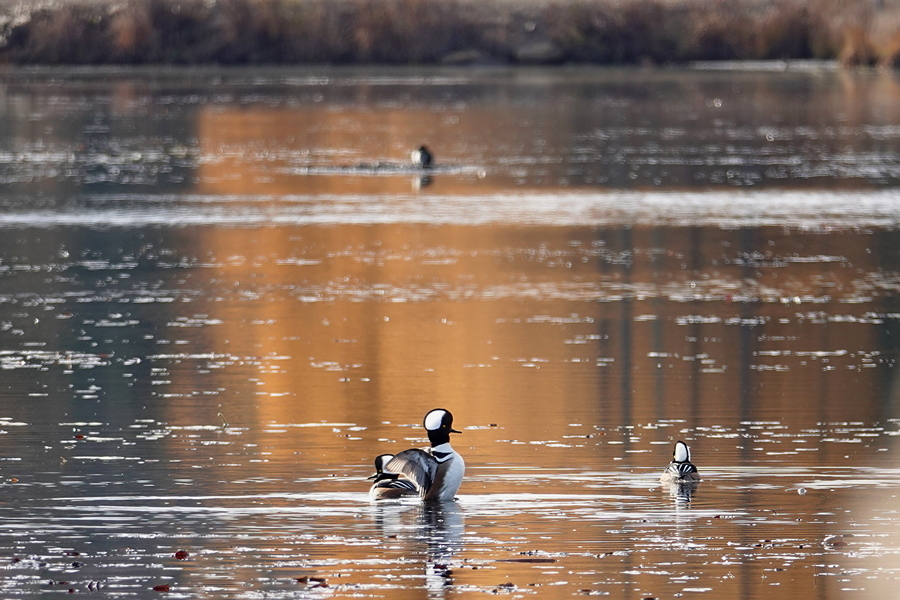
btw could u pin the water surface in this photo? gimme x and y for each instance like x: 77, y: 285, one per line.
x: 222, y: 293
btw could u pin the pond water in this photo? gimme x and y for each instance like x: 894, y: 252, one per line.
x: 224, y: 292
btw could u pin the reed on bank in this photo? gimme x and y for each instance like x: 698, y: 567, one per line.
x: 447, y: 31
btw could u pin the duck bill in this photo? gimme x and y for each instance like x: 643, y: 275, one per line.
x: 454, y: 431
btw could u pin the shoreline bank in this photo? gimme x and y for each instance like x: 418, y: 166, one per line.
x: 449, y: 32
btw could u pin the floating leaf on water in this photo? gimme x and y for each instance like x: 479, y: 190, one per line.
x: 163, y: 587
x: 181, y: 555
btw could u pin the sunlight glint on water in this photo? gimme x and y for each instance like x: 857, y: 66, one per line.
x: 223, y: 293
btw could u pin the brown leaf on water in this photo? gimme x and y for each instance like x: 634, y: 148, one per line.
x: 182, y: 555
x: 163, y: 587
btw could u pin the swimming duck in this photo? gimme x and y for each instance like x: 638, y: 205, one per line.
x: 388, y: 484
x: 422, y: 158
x: 680, y: 469
x: 435, y: 472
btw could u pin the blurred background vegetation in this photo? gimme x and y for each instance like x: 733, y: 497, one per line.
x: 856, y: 32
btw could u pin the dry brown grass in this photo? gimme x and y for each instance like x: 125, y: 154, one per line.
x: 884, y: 37
x: 429, y: 31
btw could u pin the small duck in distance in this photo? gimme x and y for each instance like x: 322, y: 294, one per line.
x: 388, y: 484
x: 422, y: 158
x: 436, y: 472
x: 681, y: 469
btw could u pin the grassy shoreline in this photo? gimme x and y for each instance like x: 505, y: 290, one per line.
x: 244, y: 32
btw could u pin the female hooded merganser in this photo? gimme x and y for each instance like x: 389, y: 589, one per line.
x: 422, y: 157
x: 388, y: 484
x: 436, y: 472
x: 680, y: 469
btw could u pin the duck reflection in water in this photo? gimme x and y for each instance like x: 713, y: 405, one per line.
x: 421, y: 181
x: 429, y: 532
x: 682, y: 491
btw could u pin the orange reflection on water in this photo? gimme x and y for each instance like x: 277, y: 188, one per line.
x: 533, y: 329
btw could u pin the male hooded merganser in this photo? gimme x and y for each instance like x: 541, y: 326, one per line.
x: 436, y: 472
x: 422, y: 157
x: 680, y: 469
x: 388, y: 484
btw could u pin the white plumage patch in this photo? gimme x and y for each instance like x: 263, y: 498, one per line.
x: 682, y: 453
x: 434, y: 419
x: 383, y: 461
